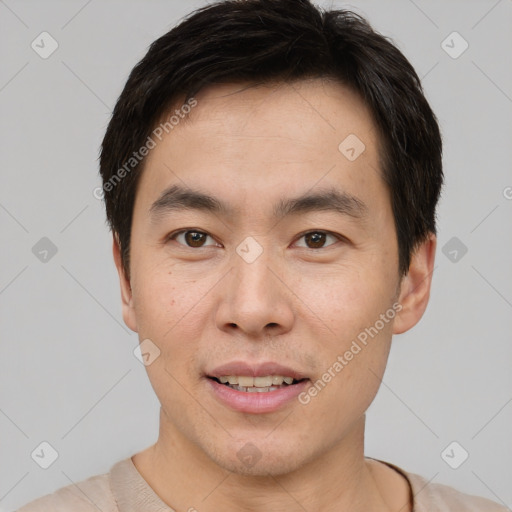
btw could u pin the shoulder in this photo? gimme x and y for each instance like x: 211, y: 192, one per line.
x: 432, y: 497
x: 89, y: 495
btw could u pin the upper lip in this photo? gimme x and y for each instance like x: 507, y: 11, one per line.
x: 242, y: 368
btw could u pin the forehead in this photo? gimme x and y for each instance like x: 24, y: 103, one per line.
x: 242, y: 139
x: 299, y: 112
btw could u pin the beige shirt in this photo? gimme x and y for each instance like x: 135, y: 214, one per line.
x: 124, y: 490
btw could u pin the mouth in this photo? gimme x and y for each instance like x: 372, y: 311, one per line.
x: 264, y: 384
x: 255, y: 389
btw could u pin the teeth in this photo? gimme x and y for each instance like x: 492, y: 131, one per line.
x: 262, y: 382
x: 255, y: 389
x: 245, y: 382
x: 255, y: 382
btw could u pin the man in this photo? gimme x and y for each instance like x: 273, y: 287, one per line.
x: 270, y: 174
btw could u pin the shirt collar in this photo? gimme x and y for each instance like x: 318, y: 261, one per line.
x: 131, y: 492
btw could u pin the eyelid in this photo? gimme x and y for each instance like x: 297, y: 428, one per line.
x: 339, y: 238
x: 174, y: 234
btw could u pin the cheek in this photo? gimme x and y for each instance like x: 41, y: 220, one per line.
x: 347, y: 299
x: 358, y: 309
x: 354, y: 353
x: 172, y: 313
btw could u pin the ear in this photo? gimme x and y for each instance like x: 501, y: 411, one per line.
x: 129, y: 316
x: 415, y: 286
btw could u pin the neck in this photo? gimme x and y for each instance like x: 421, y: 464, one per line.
x: 338, y: 480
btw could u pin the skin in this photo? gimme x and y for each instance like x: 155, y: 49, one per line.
x: 302, y: 307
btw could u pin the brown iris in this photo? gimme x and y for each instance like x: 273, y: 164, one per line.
x: 195, y: 238
x: 315, y: 238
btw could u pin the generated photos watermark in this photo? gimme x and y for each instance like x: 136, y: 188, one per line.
x: 137, y: 156
x: 356, y: 347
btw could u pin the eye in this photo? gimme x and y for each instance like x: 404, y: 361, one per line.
x: 192, y: 238
x: 317, y: 239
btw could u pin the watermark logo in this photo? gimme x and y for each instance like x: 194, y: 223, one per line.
x: 249, y: 455
x: 249, y: 250
x: 454, y: 250
x: 454, y: 45
x: 351, y: 147
x: 44, y: 455
x: 146, y: 352
x: 454, y: 455
x: 44, y: 45
x: 44, y: 250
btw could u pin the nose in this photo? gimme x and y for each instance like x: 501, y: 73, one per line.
x: 255, y: 301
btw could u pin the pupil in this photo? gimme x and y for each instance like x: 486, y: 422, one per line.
x: 316, y: 239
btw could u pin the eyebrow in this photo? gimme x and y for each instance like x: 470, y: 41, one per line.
x: 177, y: 198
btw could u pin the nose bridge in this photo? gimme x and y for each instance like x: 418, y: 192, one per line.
x: 252, y: 277
x: 253, y: 298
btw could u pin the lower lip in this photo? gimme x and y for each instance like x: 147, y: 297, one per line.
x: 256, y: 403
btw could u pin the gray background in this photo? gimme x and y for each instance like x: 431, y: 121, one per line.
x: 68, y: 375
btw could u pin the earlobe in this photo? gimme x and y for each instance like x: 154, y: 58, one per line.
x: 129, y: 316
x: 415, y: 286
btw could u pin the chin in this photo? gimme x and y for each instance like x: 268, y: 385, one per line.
x: 258, y: 458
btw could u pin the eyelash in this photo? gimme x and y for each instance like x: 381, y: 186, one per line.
x: 174, y: 235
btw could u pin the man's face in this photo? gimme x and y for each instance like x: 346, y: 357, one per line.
x: 272, y: 284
